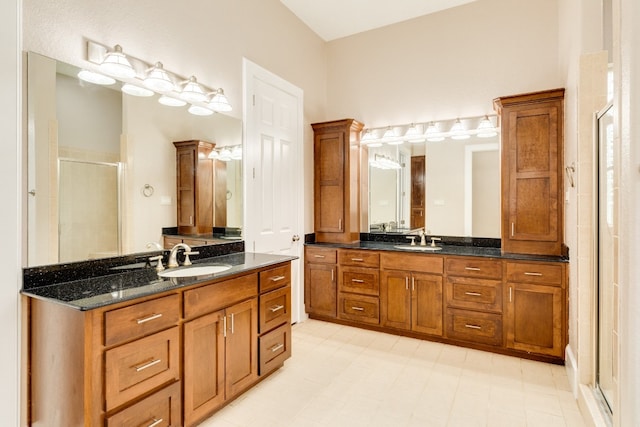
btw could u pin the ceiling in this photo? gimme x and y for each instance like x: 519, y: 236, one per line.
x: 333, y: 19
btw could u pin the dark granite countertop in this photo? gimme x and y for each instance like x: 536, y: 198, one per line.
x: 93, y: 292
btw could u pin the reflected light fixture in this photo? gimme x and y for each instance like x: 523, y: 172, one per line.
x: 171, y: 101
x: 219, y: 102
x: 197, y: 110
x: 158, y: 79
x: 134, y: 90
x: 381, y: 161
x: 214, y: 155
x: 225, y: 155
x: 413, y: 135
x: 389, y: 136
x: 368, y: 137
x: 236, y: 152
x: 458, y: 131
x: 192, y: 91
x: 433, y: 134
x: 95, y: 78
x: 486, y: 128
x: 116, y: 64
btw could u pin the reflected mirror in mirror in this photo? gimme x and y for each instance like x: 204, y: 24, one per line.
x: 102, y: 166
x: 450, y: 187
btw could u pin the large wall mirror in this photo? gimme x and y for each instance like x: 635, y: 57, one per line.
x: 450, y: 187
x: 101, y: 166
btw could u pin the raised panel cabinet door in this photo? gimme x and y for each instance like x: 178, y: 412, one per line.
x: 534, y: 318
x: 186, y: 186
x: 417, y: 191
x: 426, y: 303
x: 329, y: 160
x: 395, y: 299
x: 320, y: 289
x: 241, y: 346
x: 203, y: 366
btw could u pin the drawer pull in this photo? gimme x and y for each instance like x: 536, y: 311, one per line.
x: 473, y: 294
x: 472, y: 326
x: 357, y: 308
x: 319, y: 256
x: 276, y: 347
x: 357, y: 280
x: 148, y: 365
x: 526, y: 273
x: 277, y: 278
x: 156, y: 422
x: 275, y: 308
x: 149, y: 318
x: 357, y: 259
x: 472, y: 268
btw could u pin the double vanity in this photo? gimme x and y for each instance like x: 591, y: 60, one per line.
x: 115, y: 342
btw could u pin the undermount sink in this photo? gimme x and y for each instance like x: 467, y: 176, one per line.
x: 196, y: 270
x: 419, y: 248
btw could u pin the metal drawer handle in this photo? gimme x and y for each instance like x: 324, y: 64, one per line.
x: 473, y: 294
x: 147, y: 365
x: 526, y: 273
x: 472, y: 268
x: 472, y: 326
x: 148, y: 319
x: 357, y: 259
x: 357, y: 308
x: 277, y: 278
x: 275, y: 308
x: 155, y: 422
x: 276, y: 347
x: 357, y: 280
x: 319, y: 256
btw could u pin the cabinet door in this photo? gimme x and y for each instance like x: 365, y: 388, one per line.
x: 395, y: 299
x: 534, y: 316
x: 203, y: 366
x: 417, y: 191
x: 186, y: 186
x: 329, y: 155
x: 426, y: 303
x: 320, y: 289
x: 241, y: 349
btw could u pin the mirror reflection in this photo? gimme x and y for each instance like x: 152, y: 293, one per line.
x: 102, y: 166
x: 450, y: 187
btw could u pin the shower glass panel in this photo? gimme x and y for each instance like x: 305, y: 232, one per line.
x: 89, y: 210
x: 606, y: 259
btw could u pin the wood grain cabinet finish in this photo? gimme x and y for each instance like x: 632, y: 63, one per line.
x: 337, y: 158
x: 532, y: 172
x: 161, y: 409
x: 418, y: 207
x: 320, y: 281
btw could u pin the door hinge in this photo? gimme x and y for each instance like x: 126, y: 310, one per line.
x: 254, y: 173
x: 254, y: 100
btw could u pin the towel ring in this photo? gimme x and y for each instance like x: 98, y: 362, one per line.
x: 147, y: 190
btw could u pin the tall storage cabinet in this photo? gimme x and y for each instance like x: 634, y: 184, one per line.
x: 532, y: 171
x: 337, y: 156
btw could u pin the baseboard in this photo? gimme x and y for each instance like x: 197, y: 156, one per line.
x: 591, y: 408
x: 571, y: 366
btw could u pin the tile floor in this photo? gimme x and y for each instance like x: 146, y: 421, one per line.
x: 343, y: 376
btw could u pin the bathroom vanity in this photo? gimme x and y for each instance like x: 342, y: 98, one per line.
x: 132, y: 348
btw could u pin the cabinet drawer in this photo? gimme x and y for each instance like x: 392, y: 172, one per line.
x: 275, y: 348
x: 275, y: 278
x: 321, y: 255
x: 474, y: 267
x: 140, y: 366
x: 358, y: 258
x: 359, y: 308
x: 483, y: 328
x: 359, y: 280
x: 530, y: 272
x: 194, y: 242
x: 213, y: 297
x: 477, y: 294
x: 161, y: 409
x: 170, y: 242
x: 141, y: 319
x: 423, y: 263
x: 275, y: 308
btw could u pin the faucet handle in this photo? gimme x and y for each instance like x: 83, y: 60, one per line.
x: 433, y: 241
x: 187, y: 261
x: 159, y: 266
x: 413, y: 240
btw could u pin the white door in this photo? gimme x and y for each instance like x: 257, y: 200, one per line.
x: 272, y: 170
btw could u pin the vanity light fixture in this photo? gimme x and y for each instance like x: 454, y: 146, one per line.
x: 236, y: 152
x: 413, y: 135
x: 214, y: 154
x: 197, y: 110
x: 486, y: 128
x: 95, y: 78
x: 225, y: 155
x: 219, y: 101
x: 381, y: 161
x: 171, y: 101
x: 158, y: 79
x: 433, y: 134
x: 458, y: 131
x: 192, y: 91
x: 390, y: 137
x: 116, y: 64
x: 134, y: 90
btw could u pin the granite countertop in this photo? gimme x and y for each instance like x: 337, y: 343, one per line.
x: 94, y: 292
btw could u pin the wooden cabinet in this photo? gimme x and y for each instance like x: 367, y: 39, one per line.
x: 532, y: 172
x: 337, y: 157
x: 194, y: 174
x: 275, y: 318
x: 320, y: 281
x: 536, y: 308
x: 359, y: 286
x: 418, y: 208
x: 411, y: 298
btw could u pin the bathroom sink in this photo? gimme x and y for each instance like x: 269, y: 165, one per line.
x: 419, y: 248
x: 196, y: 270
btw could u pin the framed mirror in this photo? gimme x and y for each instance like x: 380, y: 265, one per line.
x: 101, y: 166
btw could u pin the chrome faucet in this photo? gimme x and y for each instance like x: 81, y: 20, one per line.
x: 173, y: 255
x: 422, y: 234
